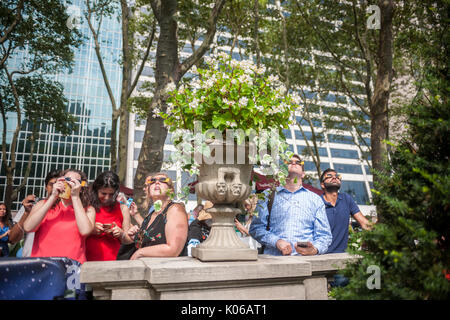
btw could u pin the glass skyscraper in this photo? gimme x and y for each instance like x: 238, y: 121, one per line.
x: 87, y: 148
x: 337, y: 151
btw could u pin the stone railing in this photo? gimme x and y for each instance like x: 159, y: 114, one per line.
x: 270, y: 277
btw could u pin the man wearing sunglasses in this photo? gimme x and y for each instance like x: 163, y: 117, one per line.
x: 339, y: 207
x: 297, y: 221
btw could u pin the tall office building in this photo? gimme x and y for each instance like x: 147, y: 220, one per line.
x: 87, y: 148
x: 337, y: 151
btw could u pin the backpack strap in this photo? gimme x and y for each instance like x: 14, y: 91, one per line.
x: 269, y: 206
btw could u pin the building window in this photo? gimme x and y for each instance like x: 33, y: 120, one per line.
x: 348, y: 154
x: 357, y: 189
x: 348, y: 168
x: 136, y: 153
x: 322, y: 151
x: 138, y: 135
x: 337, y: 138
x: 287, y: 133
x: 310, y: 166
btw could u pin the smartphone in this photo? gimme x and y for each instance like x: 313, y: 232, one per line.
x: 302, y: 244
x: 130, y: 200
x: 107, y: 226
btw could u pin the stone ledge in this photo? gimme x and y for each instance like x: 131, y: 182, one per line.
x: 327, y: 262
x: 270, y: 277
x: 113, y: 271
x: 186, y: 269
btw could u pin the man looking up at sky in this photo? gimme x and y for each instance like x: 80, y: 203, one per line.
x: 297, y: 215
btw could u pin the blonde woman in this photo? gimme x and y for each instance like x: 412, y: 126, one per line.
x: 164, y: 231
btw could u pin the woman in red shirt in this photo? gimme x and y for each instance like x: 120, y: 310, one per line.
x: 62, y: 221
x: 112, y: 219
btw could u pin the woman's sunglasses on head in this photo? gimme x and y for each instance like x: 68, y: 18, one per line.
x: 150, y: 181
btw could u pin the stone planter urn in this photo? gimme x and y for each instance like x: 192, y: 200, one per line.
x: 224, y: 180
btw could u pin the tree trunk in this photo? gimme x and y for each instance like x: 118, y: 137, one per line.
x: 167, y: 63
x: 121, y: 168
x: 168, y: 69
x: 380, y: 99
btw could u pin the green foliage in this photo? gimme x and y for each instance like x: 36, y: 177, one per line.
x: 35, y: 41
x: 230, y: 94
x: 411, y: 245
x: 43, y: 102
x: 42, y: 31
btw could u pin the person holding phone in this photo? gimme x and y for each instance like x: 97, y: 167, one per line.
x: 62, y: 221
x: 297, y: 215
x: 112, y: 219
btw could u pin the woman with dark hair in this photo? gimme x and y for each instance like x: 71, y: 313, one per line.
x: 112, y: 219
x: 164, y: 231
x: 62, y: 221
x: 5, y: 229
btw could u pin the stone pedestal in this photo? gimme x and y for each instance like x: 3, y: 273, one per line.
x: 224, y: 180
x: 186, y: 278
x: 223, y: 244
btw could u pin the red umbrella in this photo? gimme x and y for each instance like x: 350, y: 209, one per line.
x: 263, y: 182
x: 128, y: 192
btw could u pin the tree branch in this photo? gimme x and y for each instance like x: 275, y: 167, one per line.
x: 144, y: 59
x: 209, y: 37
x: 16, y: 21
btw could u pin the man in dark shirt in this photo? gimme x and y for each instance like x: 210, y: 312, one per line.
x: 339, y: 207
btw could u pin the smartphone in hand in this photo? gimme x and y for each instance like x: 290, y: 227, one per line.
x: 301, y: 244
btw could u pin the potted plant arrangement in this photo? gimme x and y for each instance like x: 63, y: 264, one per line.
x: 224, y: 120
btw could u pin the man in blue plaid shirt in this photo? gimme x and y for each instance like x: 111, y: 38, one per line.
x: 297, y: 215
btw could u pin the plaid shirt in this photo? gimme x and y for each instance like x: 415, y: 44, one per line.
x: 296, y: 216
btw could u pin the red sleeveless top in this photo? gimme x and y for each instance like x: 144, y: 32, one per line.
x: 104, y: 247
x: 58, y: 235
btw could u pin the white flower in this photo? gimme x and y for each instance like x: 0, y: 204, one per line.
x: 260, y: 70
x: 170, y: 87
x: 226, y: 101
x: 233, y: 81
x: 272, y: 78
x: 296, y: 98
x: 194, y: 103
x: 243, y: 102
x: 224, y: 89
x: 223, y: 55
x: 194, y: 70
x: 208, y: 60
x: 282, y: 89
x: 155, y: 112
x: 234, y: 63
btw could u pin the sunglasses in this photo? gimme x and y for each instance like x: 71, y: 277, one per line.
x: 330, y: 176
x: 150, y: 181
x: 83, y: 183
x: 299, y: 162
